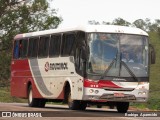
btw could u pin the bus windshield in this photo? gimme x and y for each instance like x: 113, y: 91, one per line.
x: 118, y: 54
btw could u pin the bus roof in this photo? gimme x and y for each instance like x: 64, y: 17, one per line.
x: 86, y: 28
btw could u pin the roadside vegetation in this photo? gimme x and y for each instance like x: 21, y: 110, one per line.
x: 6, y: 97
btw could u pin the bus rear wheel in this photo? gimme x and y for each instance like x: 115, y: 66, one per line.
x: 34, y: 102
x: 122, y: 107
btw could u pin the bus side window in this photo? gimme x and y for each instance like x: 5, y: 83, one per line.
x: 43, y: 46
x: 79, y: 56
x: 77, y: 59
x: 55, y: 42
x: 79, y: 62
x: 23, y: 48
x: 67, y: 44
x: 33, y: 46
x: 16, y: 50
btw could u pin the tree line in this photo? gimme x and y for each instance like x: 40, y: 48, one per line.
x: 21, y: 16
x: 146, y: 24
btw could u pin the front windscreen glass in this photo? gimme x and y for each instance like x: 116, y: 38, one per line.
x: 103, y: 50
x: 118, y: 55
x: 134, y: 53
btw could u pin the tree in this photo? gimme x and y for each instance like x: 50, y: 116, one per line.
x: 106, y: 23
x: 140, y: 23
x: 19, y: 16
x: 120, y: 21
x: 154, y: 27
x: 93, y: 22
x: 147, y: 24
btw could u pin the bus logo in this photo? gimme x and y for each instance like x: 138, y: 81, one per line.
x: 55, y: 66
x: 46, y: 66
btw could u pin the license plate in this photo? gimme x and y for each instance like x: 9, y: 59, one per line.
x: 118, y: 94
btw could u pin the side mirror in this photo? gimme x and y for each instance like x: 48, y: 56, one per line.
x: 152, y: 54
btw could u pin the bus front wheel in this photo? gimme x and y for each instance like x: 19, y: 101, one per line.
x: 76, y: 104
x: 122, y: 107
x: 72, y: 104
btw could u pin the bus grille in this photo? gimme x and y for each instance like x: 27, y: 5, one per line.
x: 112, y: 97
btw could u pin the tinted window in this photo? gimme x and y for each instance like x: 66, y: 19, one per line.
x: 55, y: 43
x: 43, y: 46
x: 23, y: 48
x: 33, y: 46
x: 20, y: 49
x: 16, y: 50
x: 67, y: 44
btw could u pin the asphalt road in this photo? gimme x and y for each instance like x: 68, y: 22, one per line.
x: 22, y: 111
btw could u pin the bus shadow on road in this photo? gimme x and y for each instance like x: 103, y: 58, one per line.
x: 89, y: 112
x: 64, y: 111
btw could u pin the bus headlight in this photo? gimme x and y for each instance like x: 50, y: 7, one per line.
x: 91, y: 90
x: 96, y: 91
x: 142, y: 93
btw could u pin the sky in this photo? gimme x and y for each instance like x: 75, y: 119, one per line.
x: 75, y: 12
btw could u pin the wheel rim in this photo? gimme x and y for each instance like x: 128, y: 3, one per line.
x: 30, y: 96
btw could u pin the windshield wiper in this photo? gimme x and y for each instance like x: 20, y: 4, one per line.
x: 110, y: 65
x: 130, y: 72
x: 108, y: 68
x: 124, y: 64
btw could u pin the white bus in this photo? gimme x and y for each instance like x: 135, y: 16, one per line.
x: 92, y: 64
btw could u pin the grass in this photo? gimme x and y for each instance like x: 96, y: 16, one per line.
x: 154, y: 95
x: 6, y: 97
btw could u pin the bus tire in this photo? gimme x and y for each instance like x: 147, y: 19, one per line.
x: 111, y: 106
x: 83, y: 105
x: 122, y: 107
x: 32, y: 102
x: 99, y: 106
x: 73, y: 104
x: 41, y: 103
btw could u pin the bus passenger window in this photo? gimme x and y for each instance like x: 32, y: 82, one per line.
x: 33, y: 46
x: 23, y: 48
x: 55, y: 42
x: 16, y: 50
x: 67, y: 44
x: 43, y: 46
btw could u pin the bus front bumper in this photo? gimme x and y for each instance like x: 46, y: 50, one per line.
x: 120, y: 96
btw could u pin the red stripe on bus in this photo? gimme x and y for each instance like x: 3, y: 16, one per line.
x: 100, y: 84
